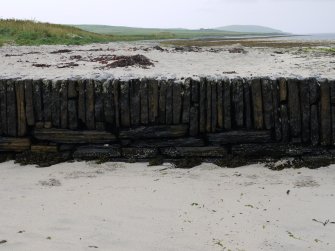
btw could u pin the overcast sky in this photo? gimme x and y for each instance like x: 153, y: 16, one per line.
x: 296, y: 16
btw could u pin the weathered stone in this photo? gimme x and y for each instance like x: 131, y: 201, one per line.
x: 220, y: 104
x: 282, y: 90
x: 44, y: 148
x: 145, y: 102
x: 55, y: 103
x: 28, y: 93
x: 294, y: 108
x: 21, y: 111
x: 305, y: 111
x: 135, y: 103
x: 46, y: 92
x: 3, y: 107
x: 100, y: 126
x: 82, y: 101
x: 77, y: 137
x: 257, y: 102
x: 14, y: 144
x: 267, y: 103
x: 194, y: 110
x: 109, y: 112
x: 332, y: 91
x: 97, y: 152
x: 163, y: 131
x: 116, y: 99
x: 276, y: 111
x: 153, y: 101
x: 11, y: 109
x: 124, y: 104
x: 162, y: 102
x: 176, y: 103
x: 247, y: 104
x: 284, y: 123
x: 314, y: 89
x: 237, y: 101
x: 169, y: 103
x: 64, y: 105
x: 37, y: 98
x: 226, y: 105
x: 325, y: 113
x: 333, y: 123
x: 202, y: 108
x: 208, y: 106
x: 186, y: 101
x: 168, y: 142
x: 209, y: 151
x: 214, y: 111
x: 315, y: 128
x: 72, y: 114
x: 241, y: 136
x: 99, y: 102
x: 139, y: 153
x: 72, y: 89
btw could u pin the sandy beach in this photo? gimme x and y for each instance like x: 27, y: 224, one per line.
x: 118, y: 206
x: 89, y: 61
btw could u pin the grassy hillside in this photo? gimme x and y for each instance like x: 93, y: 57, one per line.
x: 26, y: 32
x: 250, y: 29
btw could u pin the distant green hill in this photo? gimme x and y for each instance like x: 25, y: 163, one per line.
x: 249, y: 29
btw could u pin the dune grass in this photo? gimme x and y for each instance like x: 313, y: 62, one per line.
x: 28, y: 32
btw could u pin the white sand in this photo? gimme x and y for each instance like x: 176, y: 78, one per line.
x: 260, y: 62
x: 117, y: 206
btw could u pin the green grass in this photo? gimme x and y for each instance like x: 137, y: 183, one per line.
x: 27, y: 32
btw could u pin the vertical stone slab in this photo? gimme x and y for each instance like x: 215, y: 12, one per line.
x: 276, y: 110
x: 267, y: 103
x: 124, y: 104
x: 3, y: 107
x: 186, y: 101
x: 21, y: 109
x: 315, y: 128
x: 109, y: 111
x: 64, y: 105
x: 99, y: 103
x: 162, y: 102
x: 325, y: 112
x: 46, y: 92
x: 28, y: 93
x: 332, y: 101
x: 294, y: 108
x: 55, y: 103
x: 72, y: 89
x: 194, y: 110
x: 214, y: 111
x: 145, y: 102
x: 37, y: 98
x: 73, y: 114
x: 237, y: 101
x: 227, y: 123
x: 220, y: 104
x: 82, y: 102
x: 177, y: 102
x: 282, y: 89
x: 305, y: 111
x: 285, y: 123
x: 116, y: 99
x: 247, y: 104
x: 135, y: 102
x: 208, y: 106
x: 257, y: 103
x: 169, y: 103
x: 202, y: 108
x: 153, y: 101
x: 11, y: 109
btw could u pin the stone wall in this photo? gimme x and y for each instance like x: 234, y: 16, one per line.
x: 146, y: 118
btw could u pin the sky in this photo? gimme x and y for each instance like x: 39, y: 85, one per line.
x: 295, y: 16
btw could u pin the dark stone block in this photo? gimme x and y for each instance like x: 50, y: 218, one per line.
x: 11, y: 109
x: 97, y: 152
x: 82, y: 101
x: 247, y: 104
x: 209, y: 151
x: 168, y: 142
x: 315, y: 127
x: 139, y: 153
x: 76, y: 137
x: 314, y: 89
x: 220, y: 104
x: 72, y: 114
x: 326, y: 133
x: 14, y: 144
x: 124, y: 104
x: 162, y: 102
x: 282, y: 90
x: 144, y: 102
x: 214, y: 111
x: 21, y: 109
x: 237, y: 102
x: 135, y: 103
x: 294, y: 108
x: 285, y: 123
x: 64, y: 105
x: 47, y: 93
x: 37, y: 97
x: 241, y: 136
x: 3, y: 107
x: 116, y: 99
x: 109, y: 108
x: 186, y: 101
x: 176, y: 103
x: 276, y: 111
x: 202, y: 108
x: 267, y: 103
x: 194, y: 110
x: 227, y: 105
x: 305, y: 111
x: 55, y: 103
x: 164, y: 131
x: 72, y: 89
x: 208, y: 106
x: 153, y: 101
x: 257, y: 102
x: 28, y: 92
x: 99, y: 102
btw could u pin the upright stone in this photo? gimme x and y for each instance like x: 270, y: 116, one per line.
x: 305, y: 111
x: 194, y: 110
x: 72, y: 114
x: 116, y: 99
x: 124, y: 104
x: 315, y: 128
x: 276, y: 110
x: 237, y: 100
x: 169, y: 103
x: 90, y: 101
x: 135, y: 103
x: 186, y: 101
x: 282, y: 89
x: 247, y: 104
x: 11, y: 109
x: 162, y: 102
x: 294, y: 108
x: 220, y: 104
x: 144, y: 102
x: 109, y: 112
x: 153, y: 101
x: 284, y: 123
x: 202, y: 108
x: 208, y: 106
x: 214, y: 106
x: 99, y: 104
x: 21, y: 111
x: 82, y: 102
x: 257, y: 103
x: 177, y: 102
x: 37, y: 95
x: 314, y: 89
x: 64, y: 105
x: 46, y: 92
x: 3, y: 107
x: 326, y: 133
x: 227, y: 105
x: 55, y: 103
x: 29, y: 102
x: 267, y: 103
